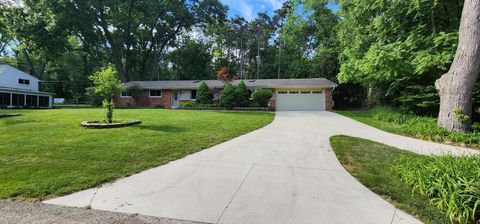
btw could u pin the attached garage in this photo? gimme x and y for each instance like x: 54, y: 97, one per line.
x: 300, y: 100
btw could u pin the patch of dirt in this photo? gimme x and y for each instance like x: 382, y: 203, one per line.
x: 350, y: 164
x: 20, y: 212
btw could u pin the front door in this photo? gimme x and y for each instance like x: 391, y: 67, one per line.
x: 175, y: 99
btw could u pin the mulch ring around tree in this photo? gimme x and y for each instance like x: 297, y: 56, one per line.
x: 104, y: 125
x: 9, y: 115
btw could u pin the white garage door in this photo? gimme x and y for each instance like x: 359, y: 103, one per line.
x: 300, y: 100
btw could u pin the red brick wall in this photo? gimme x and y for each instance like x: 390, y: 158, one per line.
x: 328, y: 99
x: 165, y: 101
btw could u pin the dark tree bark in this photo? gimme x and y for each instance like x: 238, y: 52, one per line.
x: 115, y: 50
x: 31, y: 67
x: 457, y: 85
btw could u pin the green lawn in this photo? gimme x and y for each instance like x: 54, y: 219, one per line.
x: 45, y: 153
x: 371, y: 164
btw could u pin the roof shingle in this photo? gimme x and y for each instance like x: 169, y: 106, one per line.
x: 259, y: 83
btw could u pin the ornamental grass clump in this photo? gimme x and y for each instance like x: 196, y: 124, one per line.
x: 451, y: 183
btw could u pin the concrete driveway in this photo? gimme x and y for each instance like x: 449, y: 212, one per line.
x: 285, y: 172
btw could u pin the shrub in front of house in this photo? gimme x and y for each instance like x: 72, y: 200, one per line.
x: 136, y: 92
x: 262, y: 96
x: 227, y: 97
x: 194, y: 105
x: 242, y: 95
x: 204, y: 96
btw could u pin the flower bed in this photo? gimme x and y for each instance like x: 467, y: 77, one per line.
x: 115, y: 124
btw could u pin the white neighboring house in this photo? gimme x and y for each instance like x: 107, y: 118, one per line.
x: 19, y: 89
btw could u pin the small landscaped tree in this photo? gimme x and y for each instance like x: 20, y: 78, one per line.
x: 136, y: 92
x: 224, y: 75
x: 262, y: 96
x: 204, y: 96
x: 227, y: 98
x: 107, y: 85
x: 242, y: 95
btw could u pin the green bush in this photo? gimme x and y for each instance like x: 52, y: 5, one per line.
x: 194, y: 105
x: 242, y: 95
x: 262, y: 96
x: 136, y: 92
x: 204, y: 96
x: 452, y: 183
x: 107, y: 85
x: 476, y: 127
x: 227, y: 97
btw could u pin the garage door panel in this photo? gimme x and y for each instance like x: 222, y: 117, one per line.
x: 301, y: 101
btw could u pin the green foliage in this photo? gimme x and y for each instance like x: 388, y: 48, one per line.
x: 419, y: 99
x: 262, y: 96
x: 425, y: 128
x: 460, y: 115
x: 452, y: 183
x: 204, y: 96
x: 191, y: 61
x: 107, y: 85
x: 242, y: 95
x: 227, y: 97
x: 308, y: 40
x: 371, y: 164
x: 399, y: 48
x: 135, y: 91
x: 194, y: 105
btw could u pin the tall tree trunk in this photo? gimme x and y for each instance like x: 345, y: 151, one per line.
x: 457, y: 85
x: 31, y: 68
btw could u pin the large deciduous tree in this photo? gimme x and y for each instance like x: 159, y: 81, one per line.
x: 457, y: 85
x: 133, y: 35
x: 399, y: 48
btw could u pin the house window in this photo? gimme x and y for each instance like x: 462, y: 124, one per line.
x: 317, y: 92
x: 4, y: 99
x: 44, y: 101
x: 155, y: 93
x: 293, y: 92
x: 193, y: 94
x: 24, y: 81
x: 125, y: 95
x: 18, y: 100
x: 305, y: 92
x: 282, y: 92
x: 31, y: 101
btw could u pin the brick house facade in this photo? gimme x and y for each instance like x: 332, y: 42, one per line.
x: 164, y: 101
x: 291, y: 94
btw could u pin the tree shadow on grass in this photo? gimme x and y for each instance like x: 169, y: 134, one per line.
x: 9, y: 115
x: 9, y: 122
x: 162, y: 128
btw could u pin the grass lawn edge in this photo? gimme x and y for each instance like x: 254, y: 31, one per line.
x: 370, y: 163
x: 381, y: 125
